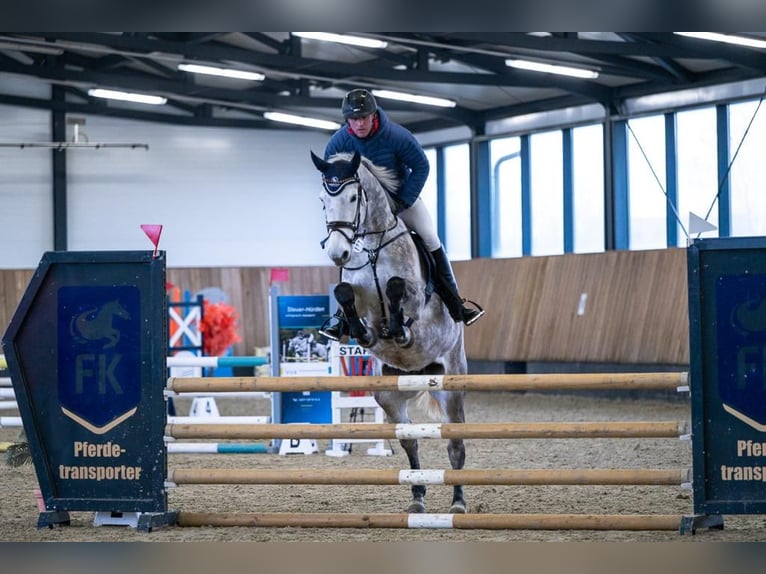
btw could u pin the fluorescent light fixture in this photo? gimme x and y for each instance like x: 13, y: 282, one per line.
x: 427, y: 100
x: 551, y: 69
x: 728, y: 38
x: 301, y: 121
x: 342, y: 39
x: 224, y: 72
x: 127, y: 96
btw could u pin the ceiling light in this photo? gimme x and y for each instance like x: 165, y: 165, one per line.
x: 225, y: 72
x: 551, y: 69
x: 301, y: 121
x: 427, y: 100
x: 127, y: 96
x: 728, y: 38
x: 342, y: 39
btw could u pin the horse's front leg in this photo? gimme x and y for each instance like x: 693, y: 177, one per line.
x: 344, y: 294
x: 395, y: 291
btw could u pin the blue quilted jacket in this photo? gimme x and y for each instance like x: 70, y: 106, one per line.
x: 392, y: 146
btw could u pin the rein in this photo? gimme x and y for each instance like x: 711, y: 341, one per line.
x: 334, y: 187
x: 372, y: 258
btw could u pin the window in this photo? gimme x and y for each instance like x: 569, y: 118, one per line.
x: 506, y: 197
x: 646, y: 180
x: 588, y: 188
x: 748, y: 170
x: 547, y: 193
x: 457, y: 188
x: 697, y: 171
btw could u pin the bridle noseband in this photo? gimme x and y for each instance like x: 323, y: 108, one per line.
x: 333, y: 186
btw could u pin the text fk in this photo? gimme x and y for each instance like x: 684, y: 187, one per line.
x: 93, y: 370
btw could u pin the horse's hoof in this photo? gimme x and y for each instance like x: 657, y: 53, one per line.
x: 369, y: 339
x: 416, y: 508
x: 406, y: 340
x: 457, y: 508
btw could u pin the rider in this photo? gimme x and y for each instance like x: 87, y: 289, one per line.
x: 385, y: 143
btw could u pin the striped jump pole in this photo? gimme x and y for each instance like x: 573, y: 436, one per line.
x: 677, y: 381
x: 192, y: 361
x: 240, y: 361
x: 10, y: 422
x: 639, y: 429
x: 525, y: 477
x: 220, y: 420
x: 448, y: 521
x: 217, y: 448
x: 8, y: 405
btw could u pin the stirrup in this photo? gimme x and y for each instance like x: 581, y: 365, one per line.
x: 470, y: 316
x: 333, y: 332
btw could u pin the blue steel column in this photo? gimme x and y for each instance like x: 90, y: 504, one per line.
x: 616, y: 184
x: 441, y: 197
x: 671, y: 181
x: 724, y: 152
x: 482, y: 216
x: 568, y: 189
x: 526, y: 196
x: 58, y: 131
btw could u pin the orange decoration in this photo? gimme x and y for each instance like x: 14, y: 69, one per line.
x: 218, y: 327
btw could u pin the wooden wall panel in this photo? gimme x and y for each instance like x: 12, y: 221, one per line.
x: 636, y: 310
x: 13, y: 284
x: 248, y: 290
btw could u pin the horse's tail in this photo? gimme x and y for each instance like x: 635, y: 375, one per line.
x: 428, y: 404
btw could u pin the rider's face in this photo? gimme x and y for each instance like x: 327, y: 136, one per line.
x: 361, y: 126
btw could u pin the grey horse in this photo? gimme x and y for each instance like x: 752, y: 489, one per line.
x: 387, y: 301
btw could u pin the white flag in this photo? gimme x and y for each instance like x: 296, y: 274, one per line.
x: 699, y: 225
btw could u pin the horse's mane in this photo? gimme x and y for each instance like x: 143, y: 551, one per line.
x: 371, y: 174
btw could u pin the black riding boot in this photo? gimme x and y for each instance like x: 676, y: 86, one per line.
x: 449, y: 292
x: 337, y: 330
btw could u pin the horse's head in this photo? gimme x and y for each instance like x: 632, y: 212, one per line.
x: 344, y: 202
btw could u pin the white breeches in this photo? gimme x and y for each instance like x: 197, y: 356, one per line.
x: 418, y: 219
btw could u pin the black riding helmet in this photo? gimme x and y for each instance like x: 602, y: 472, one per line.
x: 358, y: 103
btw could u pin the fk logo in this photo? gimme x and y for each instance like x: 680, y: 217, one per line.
x: 99, y: 355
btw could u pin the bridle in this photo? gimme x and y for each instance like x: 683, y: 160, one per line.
x: 333, y: 186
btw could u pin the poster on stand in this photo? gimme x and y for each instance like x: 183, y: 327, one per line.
x: 303, y: 352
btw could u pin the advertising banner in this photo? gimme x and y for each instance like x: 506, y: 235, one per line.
x: 303, y: 352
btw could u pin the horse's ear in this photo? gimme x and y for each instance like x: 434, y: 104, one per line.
x: 355, y: 161
x: 320, y: 164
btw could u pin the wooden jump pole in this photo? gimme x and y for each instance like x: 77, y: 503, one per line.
x: 633, y: 429
x: 512, y: 382
x: 455, y: 521
x: 524, y: 477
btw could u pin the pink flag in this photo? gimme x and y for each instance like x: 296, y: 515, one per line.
x: 153, y: 232
x: 279, y: 274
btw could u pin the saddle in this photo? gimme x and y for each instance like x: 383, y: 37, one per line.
x: 428, y: 263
